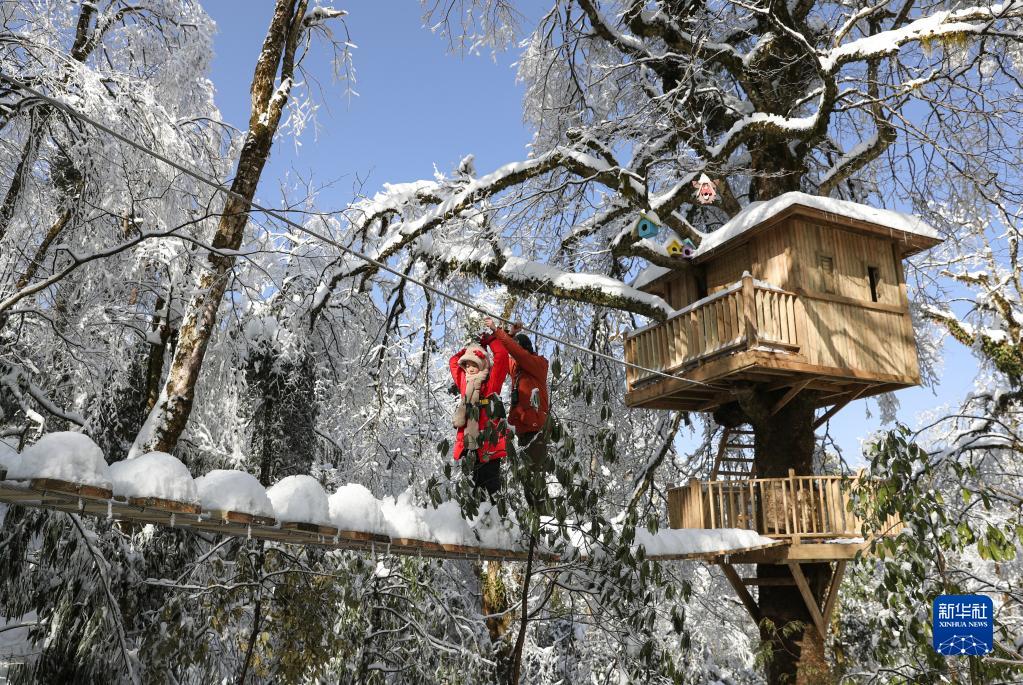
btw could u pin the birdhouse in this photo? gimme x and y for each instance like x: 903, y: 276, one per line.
x: 647, y: 227
x: 799, y: 292
x: 688, y: 249
x: 674, y: 247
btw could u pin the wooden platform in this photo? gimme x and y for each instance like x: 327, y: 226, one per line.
x: 811, y: 515
x: 750, y: 333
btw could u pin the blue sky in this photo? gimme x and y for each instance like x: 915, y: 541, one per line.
x: 419, y: 106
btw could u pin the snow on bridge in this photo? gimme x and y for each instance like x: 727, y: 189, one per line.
x: 66, y: 472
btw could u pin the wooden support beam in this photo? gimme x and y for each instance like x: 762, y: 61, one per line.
x: 793, y: 391
x: 740, y: 589
x: 838, y: 406
x: 811, y: 603
x: 768, y: 581
x: 836, y: 580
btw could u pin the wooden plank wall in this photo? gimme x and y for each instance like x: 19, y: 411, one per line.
x: 771, y: 258
x: 678, y: 289
x: 852, y: 254
x: 681, y: 290
x: 845, y: 329
x: 725, y: 269
x: 852, y: 337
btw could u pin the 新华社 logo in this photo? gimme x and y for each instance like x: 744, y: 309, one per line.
x: 963, y: 625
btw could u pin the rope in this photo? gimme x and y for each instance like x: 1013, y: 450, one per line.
x: 202, y: 178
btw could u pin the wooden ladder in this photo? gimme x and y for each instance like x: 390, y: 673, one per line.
x: 735, y: 455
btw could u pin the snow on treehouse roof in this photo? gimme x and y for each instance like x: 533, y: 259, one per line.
x: 649, y: 275
x: 909, y: 228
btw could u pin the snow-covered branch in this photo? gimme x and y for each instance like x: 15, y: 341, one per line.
x: 972, y: 21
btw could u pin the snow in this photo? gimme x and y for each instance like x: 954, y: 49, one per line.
x: 353, y: 507
x: 759, y: 212
x: 649, y: 275
x: 849, y: 156
x: 995, y: 335
x: 154, y: 474
x: 446, y: 526
x: 519, y: 269
x: 962, y: 21
x: 764, y: 285
x: 493, y: 532
x: 227, y: 490
x: 300, y: 499
x: 394, y: 197
x: 403, y: 519
x: 67, y: 456
x: 763, y: 120
x: 698, y: 541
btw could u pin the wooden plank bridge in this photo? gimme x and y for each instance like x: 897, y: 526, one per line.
x: 72, y: 498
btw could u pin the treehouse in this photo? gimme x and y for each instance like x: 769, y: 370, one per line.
x: 799, y: 292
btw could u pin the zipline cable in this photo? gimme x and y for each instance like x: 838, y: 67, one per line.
x: 202, y: 178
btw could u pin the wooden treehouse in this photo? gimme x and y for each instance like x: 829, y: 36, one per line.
x: 786, y: 294
x: 800, y: 294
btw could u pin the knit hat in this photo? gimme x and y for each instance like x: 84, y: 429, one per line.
x: 474, y: 354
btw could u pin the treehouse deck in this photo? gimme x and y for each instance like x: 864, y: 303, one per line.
x: 811, y: 515
x: 754, y: 333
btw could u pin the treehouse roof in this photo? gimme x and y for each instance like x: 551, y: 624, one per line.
x: 911, y: 231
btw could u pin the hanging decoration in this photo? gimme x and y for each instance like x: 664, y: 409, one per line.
x: 706, y: 189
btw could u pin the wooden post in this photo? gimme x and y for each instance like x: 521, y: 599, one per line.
x: 630, y: 356
x: 811, y: 603
x: 836, y: 581
x: 696, y: 502
x: 795, y: 502
x: 740, y: 589
x: 749, y: 311
x: 838, y: 406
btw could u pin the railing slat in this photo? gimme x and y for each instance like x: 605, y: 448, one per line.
x: 791, y: 300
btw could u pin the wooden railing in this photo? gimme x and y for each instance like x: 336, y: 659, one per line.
x: 743, y: 315
x: 793, y: 507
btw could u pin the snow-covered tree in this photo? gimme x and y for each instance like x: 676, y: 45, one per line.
x: 129, y: 290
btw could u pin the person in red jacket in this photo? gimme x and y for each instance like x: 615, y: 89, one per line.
x: 530, y: 405
x: 478, y: 383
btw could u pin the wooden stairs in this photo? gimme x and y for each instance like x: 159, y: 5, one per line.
x: 734, y: 459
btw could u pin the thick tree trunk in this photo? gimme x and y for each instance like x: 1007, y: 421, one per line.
x: 785, y: 440
x: 167, y: 420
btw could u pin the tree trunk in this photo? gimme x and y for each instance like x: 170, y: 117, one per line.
x: 520, y: 641
x: 785, y: 440
x: 167, y: 420
x: 496, y: 607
